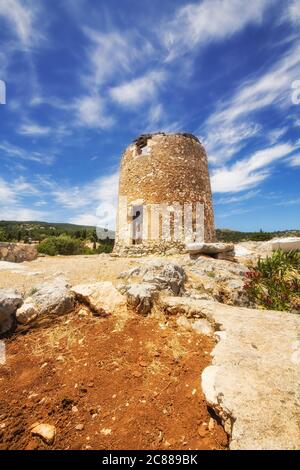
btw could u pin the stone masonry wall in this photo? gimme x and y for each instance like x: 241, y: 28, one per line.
x: 164, y: 169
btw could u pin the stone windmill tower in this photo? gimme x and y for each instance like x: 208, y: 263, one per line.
x: 165, y: 197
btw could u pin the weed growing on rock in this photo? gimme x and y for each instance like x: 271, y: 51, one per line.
x: 275, y: 282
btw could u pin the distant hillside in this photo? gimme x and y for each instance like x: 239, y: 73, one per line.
x: 227, y: 235
x: 22, y: 231
x: 19, y: 231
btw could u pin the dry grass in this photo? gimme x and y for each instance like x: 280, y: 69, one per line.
x: 61, y: 336
x: 177, y: 350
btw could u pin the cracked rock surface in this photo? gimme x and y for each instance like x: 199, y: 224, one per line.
x: 253, y: 381
x: 254, y: 377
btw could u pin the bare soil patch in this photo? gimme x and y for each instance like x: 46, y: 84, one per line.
x: 107, y: 384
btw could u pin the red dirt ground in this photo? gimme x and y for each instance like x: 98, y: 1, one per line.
x: 131, y: 384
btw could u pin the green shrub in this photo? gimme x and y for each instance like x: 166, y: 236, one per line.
x: 2, y: 235
x: 62, y: 245
x: 275, y: 282
x: 105, y: 247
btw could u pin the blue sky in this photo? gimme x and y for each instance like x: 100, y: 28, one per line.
x: 84, y: 78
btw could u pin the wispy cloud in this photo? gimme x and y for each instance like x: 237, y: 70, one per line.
x: 239, y: 198
x: 233, y: 212
x: 271, y: 88
x: 24, y: 214
x: 12, y: 200
x: 6, y: 192
x: 295, y: 161
x: 139, y: 90
x: 33, y: 129
x: 113, y: 53
x: 197, y: 24
x: 90, y: 112
x: 99, y: 206
x: 224, y: 141
x: 91, y: 203
x: 293, y: 12
x: 13, y: 151
x: 248, y: 173
x: 21, y: 16
x: 289, y: 202
x: 235, y: 121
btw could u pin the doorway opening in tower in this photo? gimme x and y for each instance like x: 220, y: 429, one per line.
x: 137, y: 225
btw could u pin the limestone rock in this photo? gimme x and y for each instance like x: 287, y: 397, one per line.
x: 167, y: 277
x: 285, y: 244
x: 253, y: 381
x: 53, y: 298
x: 27, y: 313
x: 10, y: 301
x: 201, y: 326
x: 131, y: 272
x: 101, y: 297
x: 17, y: 252
x: 44, y: 431
x: 209, y: 248
x: 140, y: 297
x: 185, y: 306
x: 222, y: 280
x: 227, y: 256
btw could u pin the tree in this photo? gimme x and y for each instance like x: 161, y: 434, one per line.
x: 94, y: 239
x: 3, y: 237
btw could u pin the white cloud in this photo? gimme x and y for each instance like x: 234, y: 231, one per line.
x: 293, y: 12
x: 84, y: 219
x: 35, y: 130
x: 225, y: 140
x: 289, y: 202
x: 12, y: 151
x: 23, y: 187
x: 239, y: 198
x: 233, y: 212
x: 272, y: 88
x: 7, y: 195
x: 113, y: 53
x: 155, y: 115
x: 90, y: 112
x: 22, y: 214
x: 210, y: 20
x: 275, y: 135
x: 70, y: 198
x: 232, y: 124
x: 295, y: 161
x: 21, y: 15
x: 248, y: 173
x: 12, y: 202
x: 94, y: 202
x: 139, y: 90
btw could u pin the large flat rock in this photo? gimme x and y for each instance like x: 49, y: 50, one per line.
x: 286, y: 244
x: 253, y: 382
x: 101, y: 297
x: 209, y: 248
